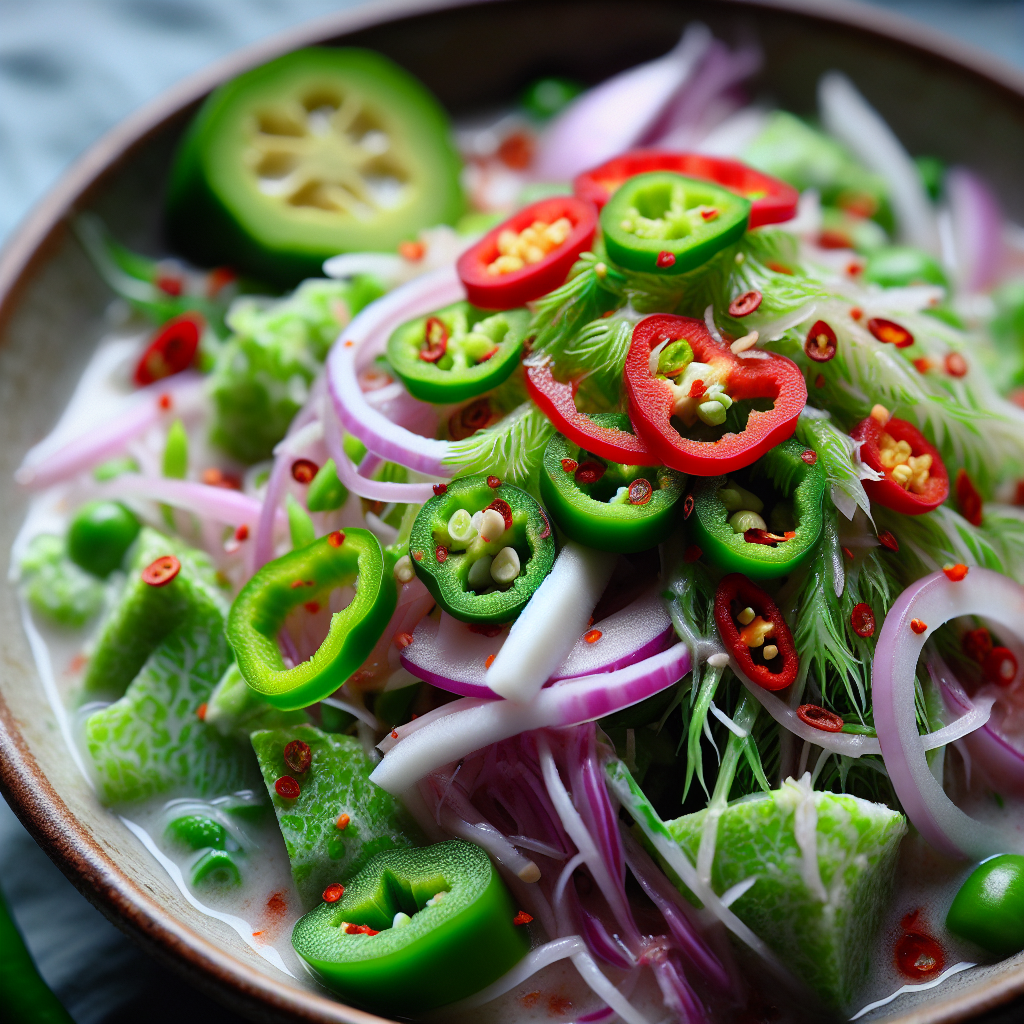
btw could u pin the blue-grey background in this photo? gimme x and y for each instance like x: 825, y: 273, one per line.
x: 69, y: 70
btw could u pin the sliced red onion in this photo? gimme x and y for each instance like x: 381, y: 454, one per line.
x: 932, y: 601
x: 552, y: 621
x: 977, y: 224
x: 455, y: 734
x: 615, y: 115
x: 365, y: 338
x: 140, y: 412
x: 854, y: 122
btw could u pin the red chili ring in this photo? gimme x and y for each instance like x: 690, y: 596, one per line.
x: 435, y: 340
x: 1000, y: 666
x: 333, y: 892
x: 745, y: 304
x: 640, y: 491
x: 298, y: 756
x: 821, y: 353
x: 304, y: 470
x: 589, y: 472
x: 441, y: 554
x: 862, y: 618
x: 287, y: 788
x: 821, y: 718
x: 161, y: 571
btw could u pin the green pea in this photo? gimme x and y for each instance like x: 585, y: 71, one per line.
x: 216, y: 867
x: 989, y: 908
x: 326, y: 492
x: 99, y: 536
x: 198, y: 832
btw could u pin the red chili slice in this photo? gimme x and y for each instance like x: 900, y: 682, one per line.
x: 745, y: 304
x: 640, y: 491
x: 506, y: 291
x: 810, y: 457
x: 771, y: 200
x: 440, y: 489
x: 435, y: 340
x: 161, y: 571
x: 304, y: 470
x: 821, y: 351
x: 172, y: 350
x: 890, y: 333
x: 1000, y: 666
x: 441, y: 554
x: 735, y: 593
x: 862, y: 618
x: 819, y: 718
x: 918, y: 956
x: 569, y: 465
x: 589, y: 472
x: 556, y: 401
x: 504, y: 509
x: 651, y: 400
x: 333, y: 892
x: 298, y: 756
x: 968, y: 498
x: 287, y: 788
x: 956, y: 365
x: 887, y: 491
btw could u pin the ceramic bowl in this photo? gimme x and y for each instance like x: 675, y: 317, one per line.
x: 939, y: 96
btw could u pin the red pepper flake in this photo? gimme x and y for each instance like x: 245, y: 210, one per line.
x: 918, y: 956
x: 171, y: 350
x: 956, y: 365
x: 359, y: 929
x: 287, y: 787
x: 977, y: 644
x: 1000, y: 666
x: 779, y: 268
x: 709, y: 214
x: 242, y: 533
x: 161, y: 571
x: 918, y: 626
x: 304, y: 470
x: 955, y: 573
x: 418, y: 556
x: 485, y: 628
x: 546, y: 532
x: 516, y: 151
x: 887, y: 540
x: 435, y: 340
x: 559, y: 1005
x: 440, y: 489
x: 593, y: 636
x: 922, y: 365
x: 968, y: 498
x: 298, y: 756
x: 493, y: 482
x: 489, y: 661
x: 819, y: 381
x: 890, y: 333
x: 402, y: 640
x: 342, y: 823
x: 412, y: 251
x: 862, y: 618
x: 665, y: 259
x: 854, y: 269
x: 589, y: 472
x: 640, y: 491
x: 745, y: 304
x: 688, y: 506
x: 821, y: 342
x: 759, y: 536
x: 164, y: 401
x: 169, y: 284
x: 692, y: 553
x: 504, y: 509
x: 818, y: 717
x: 394, y: 734
x: 697, y: 389
x: 312, y: 607
x: 810, y: 456
x: 441, y: 554
x: 569, y: 465
x: 848, y: 553
x: 201, y: 712
x: 830, y: 238
x: 336, y: 539
x: 530, y: 1000
x: 522, y: 918
x: 856, y: 313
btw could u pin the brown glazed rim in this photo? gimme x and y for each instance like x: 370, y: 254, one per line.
x: 22, y: 782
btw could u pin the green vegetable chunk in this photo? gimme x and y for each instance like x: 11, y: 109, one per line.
x: 430, y: 949
x: 337, y: 782
x: 146, y: 615
x: 216, y: 868
x: 198, y: 832
x: 326, y: 492
x: 100, y: 535
x: 55, y: 587
x: 235, y: 709
x: 820, y: 914
x: 989, y: 908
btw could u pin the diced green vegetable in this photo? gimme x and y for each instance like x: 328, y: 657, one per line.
x: 57, y: 588
x: 236, y: 709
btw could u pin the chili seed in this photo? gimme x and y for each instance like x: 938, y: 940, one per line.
x: 821, y: 343
x: 201, y: 712
x: 890, y: 333
x: 862, y: 618
x: 745, y: 617
x: 592, y: 636
x: 1000, y: 666
x: 333, y: 892
x: 489, y: 660
x: 569, y: 465
x: 298, y: 756
x: 819, y: 718
x: 887, y: 540
x: 242, y: 533
x: 522, y: 918
x: 336, y: 539
x: 304, y: 470
x: 770, y: 652
x: 955, y: 573
x: 856, y: 313
x: 665, y: 259
x: 640, y: 491
x: 440, y: 489
x: 918, y: 626
x: 745, y: 304
x: 441, y: 554
x: 161, y: 571
x: 287, y: 787
x: 493, y: 482
x: 810, y: 457
x: 342, y: 823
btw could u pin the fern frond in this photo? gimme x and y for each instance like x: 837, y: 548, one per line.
x: 835, y: 451
x: 511, y: 449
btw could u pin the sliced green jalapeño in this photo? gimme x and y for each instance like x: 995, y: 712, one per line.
x: 665, y: 223
x: 458, y: 352
x: 482, y: 548
x: 414, y: 930
x: 762, y: 522
x: 606, y: 505
x: 352, y: 558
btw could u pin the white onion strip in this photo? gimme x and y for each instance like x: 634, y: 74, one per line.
x: 468, y: 727
x: 934, y: 600
x: 365, y: 337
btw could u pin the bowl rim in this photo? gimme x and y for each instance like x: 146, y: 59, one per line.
x: 27, y: 790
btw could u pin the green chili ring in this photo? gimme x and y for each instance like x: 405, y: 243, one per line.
x: 794, y: 472
x: 311, y: 573
x: 444, y: 568
x: 644, y: 520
